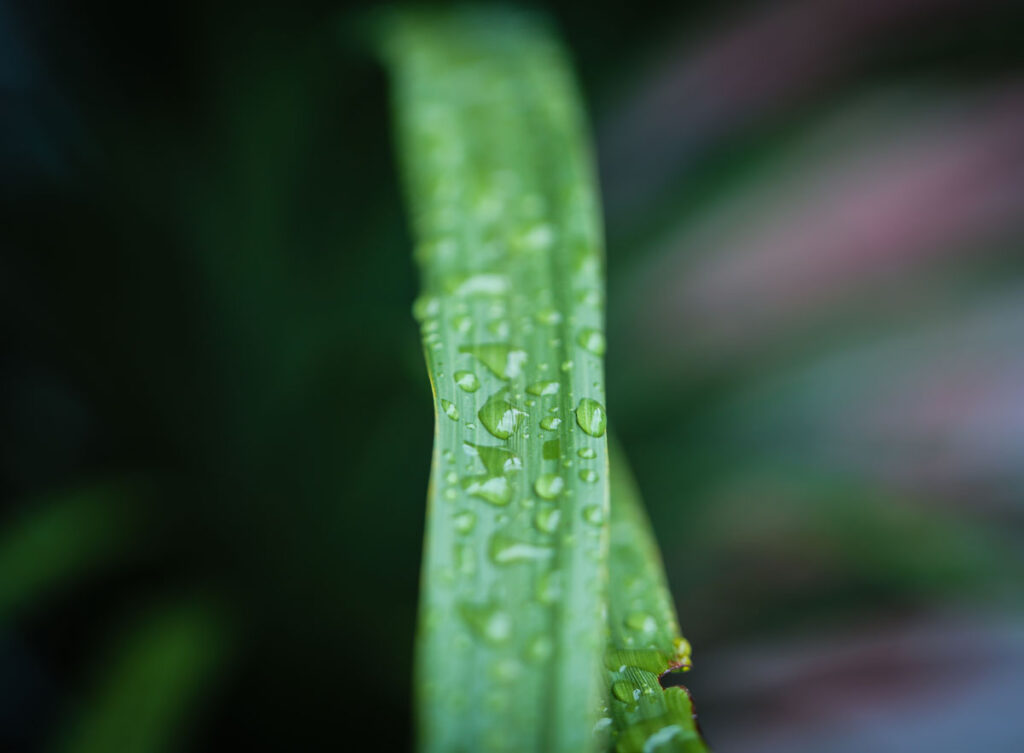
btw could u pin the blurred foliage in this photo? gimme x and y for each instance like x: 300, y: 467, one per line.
x: 206, y: 286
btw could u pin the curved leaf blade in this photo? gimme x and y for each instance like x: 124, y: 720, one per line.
x: 504, y: 212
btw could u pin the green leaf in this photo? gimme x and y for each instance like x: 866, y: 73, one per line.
x: 644, y: 637
x: 61, y: 537
x: 504, y: 212
x: 156, y: 673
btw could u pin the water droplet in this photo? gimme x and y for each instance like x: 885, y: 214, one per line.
x: 497, y: 460
x: 425, y: 307
x: 591, y: 417
x: 539, y: 649
x: 487, y: 622
x: 544, y: 387
x: 546, y: 519
x: 550, y: 423
x: 467, y: 381
x: 502, y: 360
x: 463, y: 522
x: 499, y: 417
x: 482, y: 284
x: 448, y: 455
x: 549, y: 587
x: 449, y: 409
x: 462, y: 323
x: 641, y: 622
x: 548, y: 316
x: 495, y: 490
x: 625, y: 692
x: 589, y: 476
x: 498, y: 328
x: 587, y: 452
x: 592, y: 340
x: 551, y: 449
x: 549, y: 485
x: 465, y: 562
x: 593, y: 514
x: 566, y: 365
x: 506, y: 550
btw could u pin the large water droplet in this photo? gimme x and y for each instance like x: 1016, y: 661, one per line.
x: 495, y: 490
x: 549, y: 485
x: 504, y: 361
x: 587, y: 452
x: 499, y: 417
x: 467, y: 380
x: 592, y: 340
x: 589, y: 476
x: 506, y: 550
x: 591, y: 417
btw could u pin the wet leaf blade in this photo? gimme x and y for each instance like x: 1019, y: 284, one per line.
x: 643, y: 634
x: 504, y: 212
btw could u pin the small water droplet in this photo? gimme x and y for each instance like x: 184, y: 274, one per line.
x: 543, y: 387
x: 593, y: 514
x: 539, y: 649
x: 506, y: 550
x: 467, y: 380
x: 549, y: 587
x: 589, y: 476
x: 566, y: 365
x: 465, y: 562
x: 587, y: 452
x: 548, y: 316
x: 590, y: 415
x: 592, y: 340
x: 487, y: 622
x: 549, y: 485
x: 641, y: 622
x: 550, y: 423
x: 449, y: 409
x: 464, y: 522
x: 546, y: 519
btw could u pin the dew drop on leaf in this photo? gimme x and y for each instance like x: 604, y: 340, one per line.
x: 449, y: 409
x: 549, y: 485
x: 546, y: 519
x: 550, y: 423
x: 467, y: 380
x: 592, y: 340
x: 591, y: 417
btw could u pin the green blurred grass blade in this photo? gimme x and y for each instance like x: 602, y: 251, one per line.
x: 156, y: 674
x: 504, y: 212
x: 644, y: 636
x: 60, y: 538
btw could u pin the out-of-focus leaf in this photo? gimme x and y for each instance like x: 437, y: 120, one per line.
x: 505, y: 216
x: 59, y: 538
x: 156, y: 673
x: 644, y: 637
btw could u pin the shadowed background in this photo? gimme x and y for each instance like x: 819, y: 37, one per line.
x: 215, y: 418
